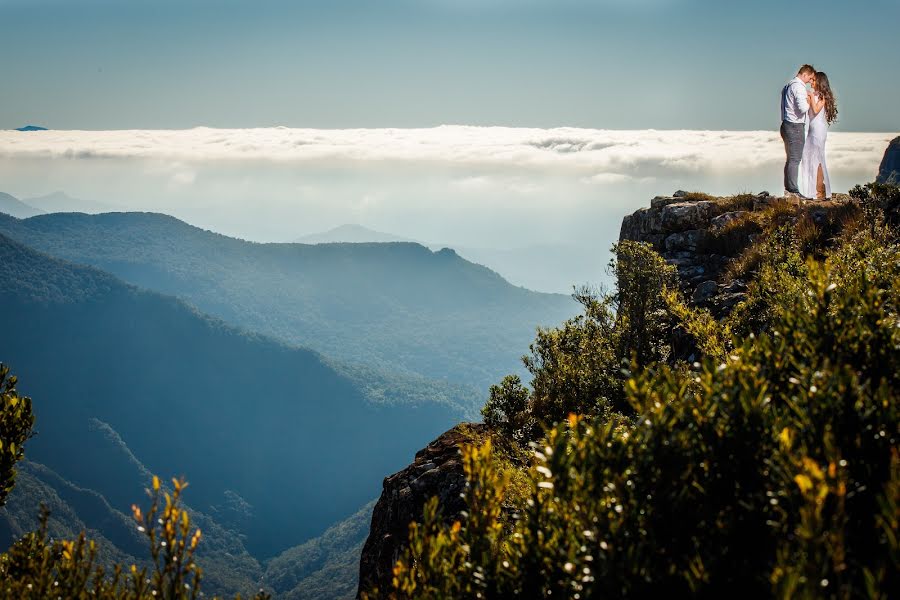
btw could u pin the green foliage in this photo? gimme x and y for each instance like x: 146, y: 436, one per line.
x: 16, y: 421
x: 580, y: 366
x: 586, y: 345
x: 697, y: 197
x: 37, y: 567
x: 778, y: 285
x: 709, y: 336
x: 507, y: 409
x: 880, y: 203
x: 772, y: 471
x: 642, y: 322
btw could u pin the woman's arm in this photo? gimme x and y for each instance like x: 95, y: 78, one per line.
x: 816, y: 103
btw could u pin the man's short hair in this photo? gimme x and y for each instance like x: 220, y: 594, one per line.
x: 807, y: 69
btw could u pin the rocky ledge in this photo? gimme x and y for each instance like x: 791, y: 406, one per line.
x: 436, y: 471
x: 700, y: 235
x: 687, y: 230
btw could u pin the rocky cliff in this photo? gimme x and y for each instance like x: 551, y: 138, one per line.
x: 889, y: 171
x: 436, y: 471
x: 699, y: 234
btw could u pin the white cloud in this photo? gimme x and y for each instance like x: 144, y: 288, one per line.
x: 599, y: 156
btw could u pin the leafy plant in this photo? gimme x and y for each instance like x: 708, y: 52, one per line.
x: 772, y: 470
x: 16, y: 422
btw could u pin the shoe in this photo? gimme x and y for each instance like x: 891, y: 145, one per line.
x: 788, y: 194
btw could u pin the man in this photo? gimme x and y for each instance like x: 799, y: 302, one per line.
x: 794, y: 107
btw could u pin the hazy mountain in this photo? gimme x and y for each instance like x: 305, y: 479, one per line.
x: 15, y: 207
x: 62, y: 202
x: 324, y: 567
x: 550, y: 268
x: 354, y: 234
x: 397, y: 306
x: 275, y: 441
x: 227, y: 566
x: 31, y: 128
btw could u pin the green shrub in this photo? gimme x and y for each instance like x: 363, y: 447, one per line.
x: 580, y: 366
x: 642, y: 322
x: 508, y: 410
x: 773, y: 472
x: 40, y: 568
x: 16, y: 422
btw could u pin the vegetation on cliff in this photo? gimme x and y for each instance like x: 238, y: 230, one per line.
x: 767, y: 466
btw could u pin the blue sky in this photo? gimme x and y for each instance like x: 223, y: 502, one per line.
x: 620, y: 64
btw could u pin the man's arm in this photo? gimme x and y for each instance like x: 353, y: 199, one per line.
x: 798, y: 90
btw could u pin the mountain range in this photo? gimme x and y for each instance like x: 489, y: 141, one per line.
x: 59, y: 201
x: 16, y: 208
x: 392, y: 307
x: 550, y: 268
x: 273, y: 439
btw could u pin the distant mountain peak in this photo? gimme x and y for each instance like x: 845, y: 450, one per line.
x: 31, y: 128
x: 352, y: 233
x: 12, y: 206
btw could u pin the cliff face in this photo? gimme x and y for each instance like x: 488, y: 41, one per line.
x: 889, y: 171
x: 436, y: 471
x: 698, y: 234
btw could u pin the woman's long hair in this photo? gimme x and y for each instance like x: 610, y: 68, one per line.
x: 823, y: 87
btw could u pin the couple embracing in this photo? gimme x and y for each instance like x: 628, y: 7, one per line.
x: 807, y: 99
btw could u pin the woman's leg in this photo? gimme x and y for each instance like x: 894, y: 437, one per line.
x: 820, y: 183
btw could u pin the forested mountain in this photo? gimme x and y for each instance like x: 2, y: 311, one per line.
x: 275, y: 442
x: 398, y: 306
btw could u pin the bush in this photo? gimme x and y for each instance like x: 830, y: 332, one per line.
x: 16, y: 422
x: 38, y: 567
x: 642, y: 320
x: 580, y: 367
x: 773, y: 472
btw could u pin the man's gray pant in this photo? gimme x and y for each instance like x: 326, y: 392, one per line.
x: 794, y: 138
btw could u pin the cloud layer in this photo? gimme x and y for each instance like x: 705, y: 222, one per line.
x: 601, y: 156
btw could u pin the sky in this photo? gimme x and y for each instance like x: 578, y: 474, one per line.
x: 607, y: 64
x: 518, y: 131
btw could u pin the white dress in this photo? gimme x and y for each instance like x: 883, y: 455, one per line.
x: 814, y: 156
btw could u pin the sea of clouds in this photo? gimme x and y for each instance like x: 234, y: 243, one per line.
x: 540, y: 206
x: 602, y: 154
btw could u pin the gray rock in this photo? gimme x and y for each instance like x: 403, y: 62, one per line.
x: 686, y: 215
x: 726, y: 218
x: 685, y: 240
x: 705, y: 291
x: 436, y: 471
x: 660, y: 201
x: 679, y: 194
x: 889, y: 171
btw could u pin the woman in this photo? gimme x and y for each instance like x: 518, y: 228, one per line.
x: 814, y: 181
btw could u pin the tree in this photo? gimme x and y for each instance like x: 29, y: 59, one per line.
x: 16, y: 422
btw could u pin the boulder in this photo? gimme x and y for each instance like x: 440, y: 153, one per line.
x: 705, y: 291
x: 889, y: 171
x: 726, y: 218
x: 686, y: 215
x: 685, y: 240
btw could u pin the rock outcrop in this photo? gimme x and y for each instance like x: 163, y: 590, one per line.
x: 698, y: 234
x: 689, y: 231
x: 889, y: 171
x: 436, y: 471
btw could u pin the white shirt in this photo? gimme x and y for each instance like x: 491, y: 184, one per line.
x: 794, y: 101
